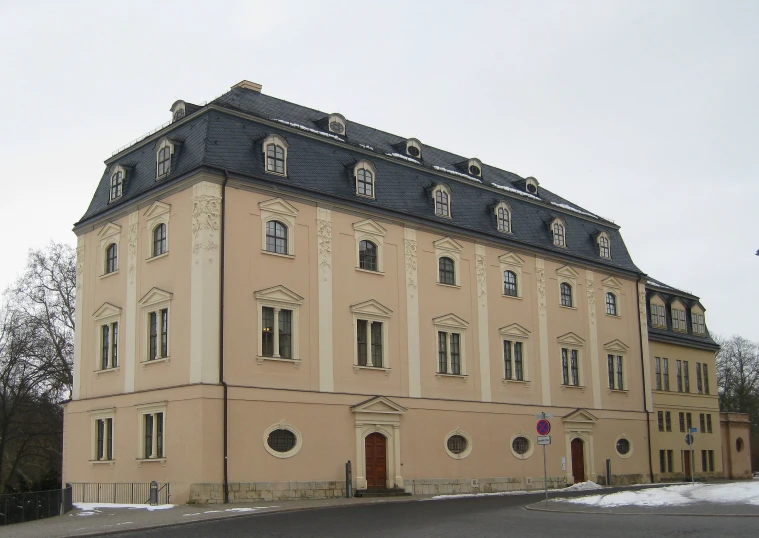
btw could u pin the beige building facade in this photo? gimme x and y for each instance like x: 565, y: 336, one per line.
x: 249, y: 320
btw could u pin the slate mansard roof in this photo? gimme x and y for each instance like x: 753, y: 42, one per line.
x: 226, y: 135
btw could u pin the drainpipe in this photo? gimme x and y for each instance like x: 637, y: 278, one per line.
x: 645, y: 381
x: 221, y: 336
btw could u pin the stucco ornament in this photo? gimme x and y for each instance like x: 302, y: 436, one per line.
x: 481, y: 275
x: 591, y: 300
x: 79, y: 266
x: 324, y: 233
x: 132, y: 250
x: 410, y: 246
x: 541, y: 274
x: 206, y: 215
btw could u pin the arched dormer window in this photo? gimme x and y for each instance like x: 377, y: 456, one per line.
x: 503, y: 217
x: 275, y: 155
x: 365, y: 175
x: 611, y: 304
x: 336, y: 123
x: 566, y: 294
x: 111, y: 258
x: 474, y: 167
x: 178, y: 110
x: 414, y: 148
x: 441, y: 197
x: 604, y: 246
x: 531, y: 185
x: 117, y: 183
x: 558, y: 232
x: 163, y: 158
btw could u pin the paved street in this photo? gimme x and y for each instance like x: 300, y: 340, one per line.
x: 479, y: 517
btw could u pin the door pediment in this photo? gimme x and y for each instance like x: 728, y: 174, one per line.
x: 379, y: 404
x: 580, y: 416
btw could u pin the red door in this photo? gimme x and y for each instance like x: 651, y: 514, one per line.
x: 578, y: 460
x: 686, y: 462
x: 376, y: 461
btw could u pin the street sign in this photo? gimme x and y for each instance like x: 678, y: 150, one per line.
x: 693, y: 430
x: 543, y: 415
x: 544, y: 440
x: 544, y: 427
x: 688, y: 439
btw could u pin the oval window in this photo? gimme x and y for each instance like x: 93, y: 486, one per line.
x: 413, y: 150
x: 336, y: 127
x: 474, y: 170
x: 623, y: 447
x: 520, y: 445
x: 457, y: 444
x: 532, y: 189
x: 281, y: 440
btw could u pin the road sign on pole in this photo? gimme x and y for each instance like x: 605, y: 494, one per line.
x: 688, y: 439
x: 544, y: 440
x: 543, y: 427
x: 692, y: 430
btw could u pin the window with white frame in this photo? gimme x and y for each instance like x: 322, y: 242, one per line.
x: 159, y: 239
x: 446, y: 271
x: 474, y: 167
x: 611, y: 304
x: 371, y: 327
x: 558, y: 232
x: 658, y: 315
x: 678, y: 319
x: 604, y: 246
x: 278, y: 317
x: 510, y: 283
x: 278, y: 227
x: 367, y: 255
x: 450, y: 335
x: 152, y: 432
x: 370, y: 240
x: 111, y: 258
x: 503, y: 217
x: 567, y: 277
x: 511, y: 268
x: 570, y: 367
x: 336, y: 123
x: 117, y: 184
x: 110, y: 237
x: 414, y: 148
x: 441, y: 197
x: 566, y: 294
x: 448, y: 255
x: 276, y: 237
x: 107, y: 342
x: 102, y: 436
x: 164, y: 153
x: 616, y: 372
x: 365, y: 175
x: 697, y: 321
x: 514, y: 339
x: 157, y: 229
x: 156, y: 308
x: 275, y: 154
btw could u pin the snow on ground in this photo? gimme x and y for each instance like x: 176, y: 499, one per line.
x: 583, y: 486
x: 496, y: 494
x: 90, y: 509
x: 730, y: 493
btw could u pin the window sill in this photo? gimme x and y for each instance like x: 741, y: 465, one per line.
x: 357, y: 368
x: 569, y: 307
x: 613, y: 316
x: 277, y: 254
x: 140, y: 461
x: 464, y: 377
x: 261, y: 358
x: 162, y: 360
x: 449, y: 285
x: 273, y: 173
x: 112, y: 200
x: 443, y: 216
x: 524, y: 382
x: 381, y: 273
x: 106, y: 275
x: 511, y: 296
x: 98, y: 373
x: 574, y: 387
x: 365, y: 196
x: 625, y: 392
x: 102, y: 462
x: 152, y: 258
x: 163, y: 176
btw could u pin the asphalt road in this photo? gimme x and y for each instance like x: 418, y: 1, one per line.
x: 478, y: 517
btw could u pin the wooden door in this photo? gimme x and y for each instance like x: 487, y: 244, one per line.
x: 376, y: 461
x: 686, y: 462
x: 578, y: 460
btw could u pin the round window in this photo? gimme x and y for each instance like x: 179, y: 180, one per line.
x: 474, y: 170
x: 457, y: 444
x: 531, y: 188
x: 739, y: 444
x: 520, y: 445
x: 336, y: 127
x: 281, y: 440
x: 623, y: 447
x: 413, y: 151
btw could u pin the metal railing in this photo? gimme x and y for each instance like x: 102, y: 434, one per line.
x: 118, y: 492
x: 20, y: 507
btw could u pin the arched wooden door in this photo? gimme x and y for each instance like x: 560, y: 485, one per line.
x: 375, y: 447
x: 578, y: 460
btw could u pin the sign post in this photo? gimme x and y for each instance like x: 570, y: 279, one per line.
x: 544, y: 428
x: 690, y: 439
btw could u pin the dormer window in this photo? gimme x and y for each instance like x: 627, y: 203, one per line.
x: 275, y: 155
x: 163, y: 158
x: 178, y: 111
x: 503, y: 217
x: 474, y: 167
x: 531, y: 186
x: 558, y: 231
x: 441, y: 196
x: 414, y: 148
x: 336, y: 124
x: 604, y: 249
x: 117, y: 183
x: 365, y: 175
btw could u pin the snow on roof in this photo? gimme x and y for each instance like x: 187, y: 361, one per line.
x: 366, y: 147
x: 441, y: 169
x: 570, y: 208
x: 309, y: 129
x: 516, y: 191
x: 403, y: 157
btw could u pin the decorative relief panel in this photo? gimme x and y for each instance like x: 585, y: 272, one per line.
x: 410, y: 246
x: 591, y: 301
x: 206, y: 217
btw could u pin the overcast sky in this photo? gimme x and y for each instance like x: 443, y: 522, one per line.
x: 644, y: 112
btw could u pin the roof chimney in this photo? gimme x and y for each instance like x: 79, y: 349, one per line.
x: 248, y: 85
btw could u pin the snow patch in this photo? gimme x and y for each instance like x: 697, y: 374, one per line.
x: 309, y: 129
x: 455, y: 173
x: 471, y: 495
x: 93, y: 507
x: 731, y: 493
x: 583, y: 486
x: 403, y: 157
x: 515, y: 191
x: 366, y: 147
x: 570, y: 208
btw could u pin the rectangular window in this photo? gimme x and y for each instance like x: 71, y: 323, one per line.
x: 699, y: 327
x: 153, y: 435
x: 573, y: 364
x: 678, y: 320
x: 658, y: 373
x: 666, y: 373
x: 702, y: 422
x: 610, y: 361
x: 658, y: 316
x: 267, y: 331
x: 449, y: 353
x: 709, y: 423
x: 104, y: 440
x: 105, y: 346
x: 663, y: 461
x: 669, y: 460
x: 679, y: 373
x: 518, y: 361
x: 276, y: 332
x: 507, y: 359
x: 686, y: 376
x: 711, y: 460
x: 668, y: 420
x: 376, y: 344
x: 285, y: 334
x: 689, y: 420
x: 681, y: 417
x: 442, y: 352
x: 620, y: 377
x: 616, y: 377
x: 699, y: 383
x: 706, y: 379
x: 455, y: 354
x: 564, y: 367
x: 158, y: 330
x: 361, y: 344
x: 660, y: 416
x: 704, y: 465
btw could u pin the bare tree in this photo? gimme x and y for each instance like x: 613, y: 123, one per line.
x: 738, y: 377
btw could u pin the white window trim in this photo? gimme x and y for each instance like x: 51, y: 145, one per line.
x: 413, y: 142
x: 157, y: 213
x: 106, y: 315
x: 116, y: 169
x: 476, y: 162
x: 695, y: 311
x: 613, y: 286
x: 451, y: 323
x: 284, y: 212
x: 561, y: 221
x: 598, y: 244
x: 370, y: 230
x: 677, y: 305
x: 108, y: 235
x: 151, y: 409
x: 280, y: 141
x: 102, y: 414
x: 632, y: 446
x: 469, y: 444
x: 515, y: 333
x: 162, y: 144
x: 339, y: 118
x: 448, y: 248
x: 511, y: 262
x: 571, y: 341
x: 530, y: 444
x: 155, y: 301
x: 568, y: 275
x: 441, y: 187
x: 618, y: 348
x: 656, y: 301
x: 365, y: 165
x: 283, y: 425
x: 507, y: 207
x: 374, y: 312
x: 278, y: 298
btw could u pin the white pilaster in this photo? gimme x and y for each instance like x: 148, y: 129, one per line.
x: 78, y: 315
x: 130, y: 312
x: 595, y: 366
x: 545, y: 377
x: 204, y: 283
x: 482, y: 323
x: 324, y: 238
x: 644, y: 344
x: 412, y: 315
